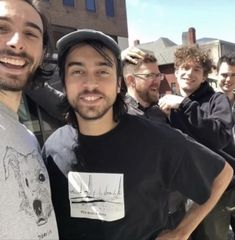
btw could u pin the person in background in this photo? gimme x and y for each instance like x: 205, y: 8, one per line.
x: 142, y: 81
x: 206, y: 116
x: 25, y: 203
x: 226, y: 78
x: 117, y: 187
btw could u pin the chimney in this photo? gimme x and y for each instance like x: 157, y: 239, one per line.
x: 191, y: 36
x: 136, y: 42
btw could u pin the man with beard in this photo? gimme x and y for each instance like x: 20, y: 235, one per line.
x: 142, y: 80
x: 117, y: 186
x: 25, y: 204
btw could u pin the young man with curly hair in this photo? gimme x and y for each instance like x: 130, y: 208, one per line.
x: 206, y: 116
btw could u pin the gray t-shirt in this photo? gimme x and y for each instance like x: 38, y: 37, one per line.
x: 26, y: 211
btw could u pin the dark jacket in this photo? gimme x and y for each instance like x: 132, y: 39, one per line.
x: 206, y: 116
x: 152, y: 112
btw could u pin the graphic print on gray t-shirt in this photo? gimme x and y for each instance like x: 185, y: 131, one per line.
x: 30, y: 175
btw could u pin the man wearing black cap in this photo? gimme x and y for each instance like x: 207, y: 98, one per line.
x: 116, y: 184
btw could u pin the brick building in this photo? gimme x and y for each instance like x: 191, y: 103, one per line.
x: 108, y: 16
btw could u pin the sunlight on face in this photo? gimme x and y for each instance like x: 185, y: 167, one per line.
x: 91, y: 82
x: 226, y: 77
x: 189, y: 77
x: 21, y: 44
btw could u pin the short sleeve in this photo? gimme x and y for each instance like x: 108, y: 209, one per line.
x: 197, y: 170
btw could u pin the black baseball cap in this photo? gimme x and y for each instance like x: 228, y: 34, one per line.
x: 83, y: 35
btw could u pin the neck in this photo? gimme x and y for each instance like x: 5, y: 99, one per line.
x: 183, y: 93
x: 231, y: 96
x: 138, y: 99
x: 11, y: 99
x: 98, y: 126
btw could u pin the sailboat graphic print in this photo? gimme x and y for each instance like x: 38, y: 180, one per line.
x: 96, y: 195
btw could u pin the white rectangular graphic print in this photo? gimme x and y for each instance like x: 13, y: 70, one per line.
x: 96, y: 195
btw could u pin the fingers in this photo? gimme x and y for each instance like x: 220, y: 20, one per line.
x: 132, y: 54
x: 164, y: 105
x: 166, y: 109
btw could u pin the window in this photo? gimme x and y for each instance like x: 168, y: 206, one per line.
x: 90, y: 5
x: 69, y: 3
x: 109, y: 5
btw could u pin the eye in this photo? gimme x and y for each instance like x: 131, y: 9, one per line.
x: 31, y: 34
x: 103, y: 73
x: 3, y: 29
x: 77, y: 72
x: 224, y: 75
x: 197, y: 69
x: 41, y: 177
x: 152, y: 75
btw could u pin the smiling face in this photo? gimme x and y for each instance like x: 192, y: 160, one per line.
x: 226, y: 77
x: 189, y: 76
x: 21, y: 43
x: 146, y: 87
x: 90, y: 82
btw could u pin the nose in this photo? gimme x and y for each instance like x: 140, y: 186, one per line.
x: 90, y: 82
x: 37, y: 206
x: 228, y: 77
x: 189, y: 71
x: 16, y: 42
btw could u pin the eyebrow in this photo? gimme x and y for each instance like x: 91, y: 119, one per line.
x: 99, y: 64
x: 35, y: 26
x: 28, y: 24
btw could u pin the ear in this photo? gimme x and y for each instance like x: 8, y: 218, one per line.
x: 205, y: 77
x: 130, y: 81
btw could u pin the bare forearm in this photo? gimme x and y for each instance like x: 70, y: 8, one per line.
x: 198, y: 212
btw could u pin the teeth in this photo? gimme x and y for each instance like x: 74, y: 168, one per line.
x: 90, y: 98
x: 17, y: 62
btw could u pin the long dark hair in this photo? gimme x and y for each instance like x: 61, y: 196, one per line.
x: 119, y: 107
x: 44, y: 71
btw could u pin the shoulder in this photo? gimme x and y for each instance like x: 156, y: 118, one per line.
x: 219, y: 96
x: 66, y: 130
x: 63, y: 138
x: 153, y: 130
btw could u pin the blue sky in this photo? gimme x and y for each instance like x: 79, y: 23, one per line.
x: 149, y: 20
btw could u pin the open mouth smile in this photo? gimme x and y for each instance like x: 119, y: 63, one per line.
x: 11, y: 62
x: 91, y: 98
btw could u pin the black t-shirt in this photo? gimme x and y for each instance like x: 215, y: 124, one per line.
x: 120, y: 186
